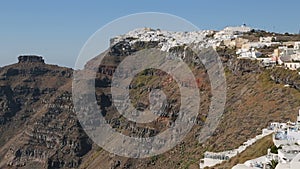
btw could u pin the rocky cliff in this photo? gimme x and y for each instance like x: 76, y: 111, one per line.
x: 253, y: 101
x: 39, y: 128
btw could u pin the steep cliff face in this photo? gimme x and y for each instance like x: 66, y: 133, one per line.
x: 285, y: 77
x: 140, y: 88
x: 243, y: 66
x: 9, y: 106
x: 253, y: 101
x: 39, y: 128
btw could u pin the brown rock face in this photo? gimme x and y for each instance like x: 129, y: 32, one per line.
x: 38, y: 127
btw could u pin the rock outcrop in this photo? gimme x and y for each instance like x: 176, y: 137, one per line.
x: 30, y: 59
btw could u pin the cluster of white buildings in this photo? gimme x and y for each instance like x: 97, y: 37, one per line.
x: 250, y: 49
x: 286, y: 137
x: 288, y: 55
x: 169, y: 39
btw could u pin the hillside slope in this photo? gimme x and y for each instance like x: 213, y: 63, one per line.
x: 39, y: 128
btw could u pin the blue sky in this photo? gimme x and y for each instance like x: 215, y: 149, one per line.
x: 58, y: 30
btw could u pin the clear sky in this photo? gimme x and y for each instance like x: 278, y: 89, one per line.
x: 58, y: 30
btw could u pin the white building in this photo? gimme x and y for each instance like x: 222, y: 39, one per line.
x: 294, y: 164
x: 289, y: 57
x: 237, y: 29
x: 231, y: 32
x: 268, y: 39
x: 292, y: 65
x: 244, y: 53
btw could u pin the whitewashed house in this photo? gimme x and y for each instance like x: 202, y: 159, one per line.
x: 268, y: 39
x: 237, y: 29
x: 245, y: 53
x: 297, y: 46
x: 292, y: 65
x: 289, y: 57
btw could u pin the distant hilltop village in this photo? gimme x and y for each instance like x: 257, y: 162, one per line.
x: 31, y: 59
x: 169, y: 39
x: 271, y: 49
